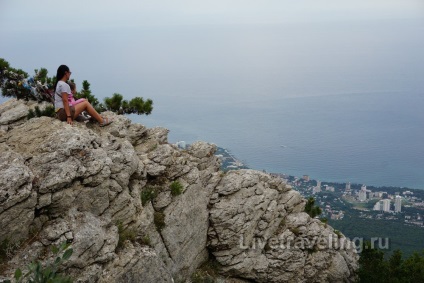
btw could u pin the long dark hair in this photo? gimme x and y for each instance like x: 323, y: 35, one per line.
x: 60, y: 73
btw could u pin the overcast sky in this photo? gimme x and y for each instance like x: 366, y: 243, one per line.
x: 99, y: 14
x: 357, y: 44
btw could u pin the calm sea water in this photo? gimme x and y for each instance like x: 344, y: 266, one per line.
x: 339, y: 102
x: 374, y: 139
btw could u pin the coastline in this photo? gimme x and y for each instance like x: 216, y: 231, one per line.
x: 357, y: 219
x: 231, y: 162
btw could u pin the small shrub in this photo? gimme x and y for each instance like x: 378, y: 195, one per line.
x: 159, y: 220
x: 124, y: 235
x: 324, y: 220
x: 338, y: 233
x: 295, y: 231
x: 312, y: 250
x: 48, y: 272
x: 3, y: 250
x: 8, y: 250
x: 31, y: 114
x: 48, y: 111
x: 153, y: 147
x: 148, y: 194
x: 176, y: 188
x: 207, y: 272
x: 200, y: 276
x: 311, y: 208
x: 145, y: 240
x: 136, y: 105
x: 4, y: 247
x: 34, y: 231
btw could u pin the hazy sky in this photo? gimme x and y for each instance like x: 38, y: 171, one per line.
x: 204, y: 60
x: 220, y: 46
x: 94, y: 14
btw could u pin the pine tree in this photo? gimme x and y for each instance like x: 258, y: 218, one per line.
x: 311, y: 208
x: 15, y: 83
x: 86, y: 93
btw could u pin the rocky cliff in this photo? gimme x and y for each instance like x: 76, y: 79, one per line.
x: 107, y: 191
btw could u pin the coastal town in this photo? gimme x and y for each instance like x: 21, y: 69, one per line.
x: 339, y: 199
x: 336, y: 200
x: 359, y: 210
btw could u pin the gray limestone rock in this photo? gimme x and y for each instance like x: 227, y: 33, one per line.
x: 136, y: 264
x: 17, y: 199
x: 79, y: 183
x: 12, y: 111
x: 258, y: 232
x: 185, y: 231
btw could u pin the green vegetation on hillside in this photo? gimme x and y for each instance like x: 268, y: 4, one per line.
x: 374, y: 268
x: 406, y: 238
x: 47, y: 272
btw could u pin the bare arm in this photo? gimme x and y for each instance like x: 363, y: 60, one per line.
x: 69, y: 118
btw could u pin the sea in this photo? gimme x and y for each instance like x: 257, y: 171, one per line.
x: 365, y: 138
x: 338, y: 102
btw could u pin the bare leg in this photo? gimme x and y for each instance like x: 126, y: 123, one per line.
x: 87, y: 107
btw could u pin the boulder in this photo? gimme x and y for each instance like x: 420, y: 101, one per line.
x: 258, y: 232
x: 107, y: 192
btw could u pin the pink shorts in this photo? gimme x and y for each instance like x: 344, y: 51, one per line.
x: 77, y: 101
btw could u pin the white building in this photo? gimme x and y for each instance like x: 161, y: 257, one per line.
x: 398, y: 204
x: 378, y: 194
x: 363, y: 193
x: 330, y: 189
x: 317, y: 189
x: 386, y: 205
x: 347, y: 190
x: 348, y: 186
x: 377, y: 206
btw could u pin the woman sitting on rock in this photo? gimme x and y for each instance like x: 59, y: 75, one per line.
x: 66, y: 112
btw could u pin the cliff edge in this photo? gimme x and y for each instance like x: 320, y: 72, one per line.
x: 138, y: 209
